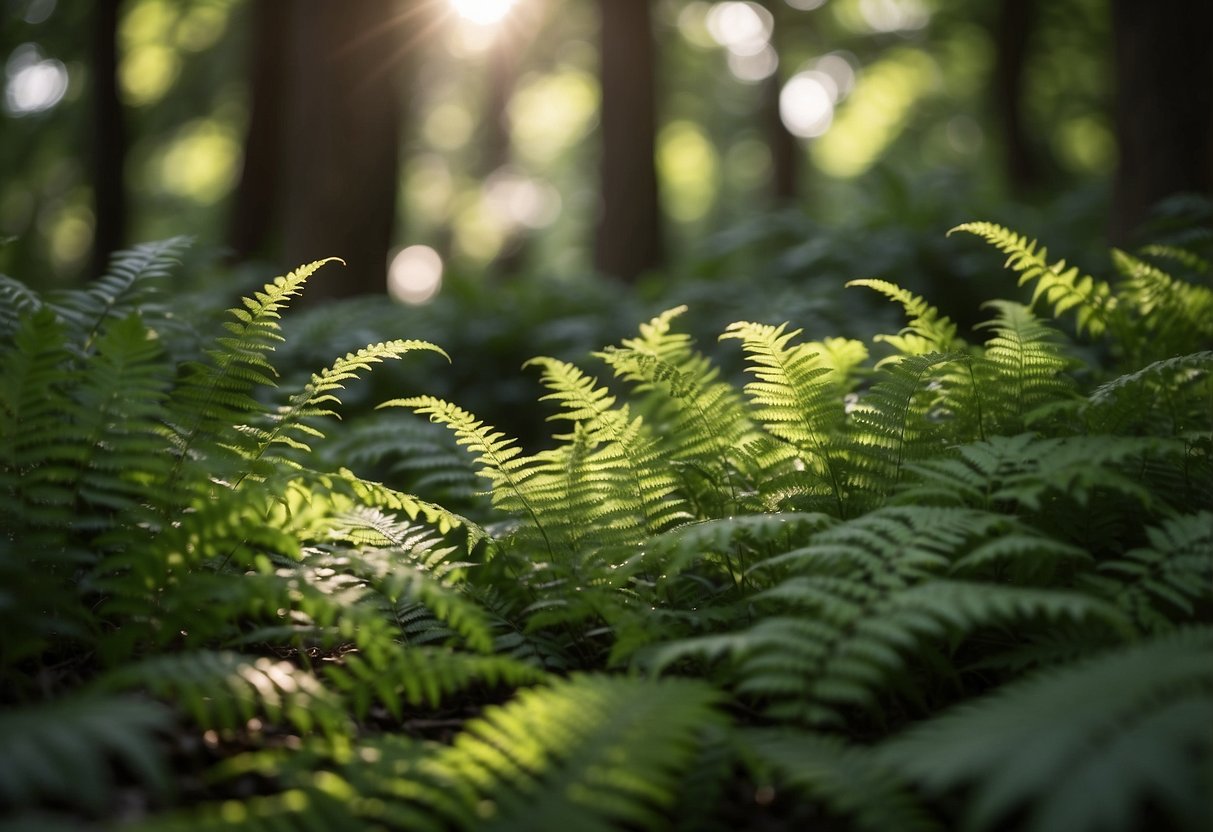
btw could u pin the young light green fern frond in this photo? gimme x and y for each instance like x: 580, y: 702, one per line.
x: 1022, y: 368
x: 1063, y: 289
x: 217, y: 395
x: 797, y: 397
x: 288, y: 426
x: 590, y: 753
x: 927, y: 332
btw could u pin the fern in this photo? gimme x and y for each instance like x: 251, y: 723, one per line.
x: 66, y: 752
x: 1022, y: 369
x: 1062, y: 288
x: 927, y: 332
x: 216, y: 396
x: 797, y: 397
x: 1065, y: 746
x: 225, y: 690
x: 846, y: 779
x: 549, y: 758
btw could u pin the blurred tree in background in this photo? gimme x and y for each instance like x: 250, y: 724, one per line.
x: 534, y: 136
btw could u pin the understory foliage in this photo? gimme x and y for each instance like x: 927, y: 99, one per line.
x: 936, y: 580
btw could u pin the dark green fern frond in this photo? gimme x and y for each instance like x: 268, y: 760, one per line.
x: 65, y: 753
x: 927, y: 332
x: 864, y: 601
x: 1100, y: 745
x: 225, y: 690
x: 17, y: 302
x: 846, y: 779
x: 591, y: 753
x: 1036, y: 473
x: 1167, y: 581
x: 1063, y: 289
x: 1173, y: 396
x: 129, y: 284
x: 1022, y: 368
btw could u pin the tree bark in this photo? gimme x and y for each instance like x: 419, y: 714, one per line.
x: 786, y: 149
x: 322, y: 165
x: 108, y: 140
x: 256, y: 204
x: 1013, y: 33
x: 628, y: 235
x: 1164, y: 109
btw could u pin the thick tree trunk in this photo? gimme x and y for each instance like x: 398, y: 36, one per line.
x: 256, y: 203
x: 628, y: 239
x: 341, y: 139
x: 1021, y: 166
x: 1164, y: 110
x: 108, y: 140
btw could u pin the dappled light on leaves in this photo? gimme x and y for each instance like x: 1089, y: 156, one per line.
x: 688, y: 166
x: 415, y: 275
x: 876, y: 113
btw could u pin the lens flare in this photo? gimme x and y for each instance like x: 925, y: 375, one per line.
x: 483, y: 12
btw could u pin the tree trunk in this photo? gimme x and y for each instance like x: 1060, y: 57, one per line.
x: 1021, y: 166
x: 108, y: 140
x: 628, y: 238
x: 321, y: 163
x: 256, y: 203
x: 786, y: 150
x: 1164, y: 110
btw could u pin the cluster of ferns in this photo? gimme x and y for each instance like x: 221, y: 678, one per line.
x: 922, y: 582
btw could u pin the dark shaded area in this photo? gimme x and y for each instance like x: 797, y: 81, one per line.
x: 1164, y: 106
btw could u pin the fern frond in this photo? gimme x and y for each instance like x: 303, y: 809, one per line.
x: 899, y: 419
x: 129, y: 284
x: 499, y: 456
x: 1022, y: 367
x: 1167, y: 580
x: 421, y: 676
x: 1031, y: 472
x: 287, y: 426
x: 797, y: 397
x: 848, y: 780
x: 17, y: 302
x: 217, y: 395
x: 1173, y: 316
x: 225, y: 690
x: 927, y: 332
x: 590, y: 753
x: 1066, y: 746
x: 864, y: 597
x: 1172, y: 396
x: 64, y: 752
x: 1063, y: 289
